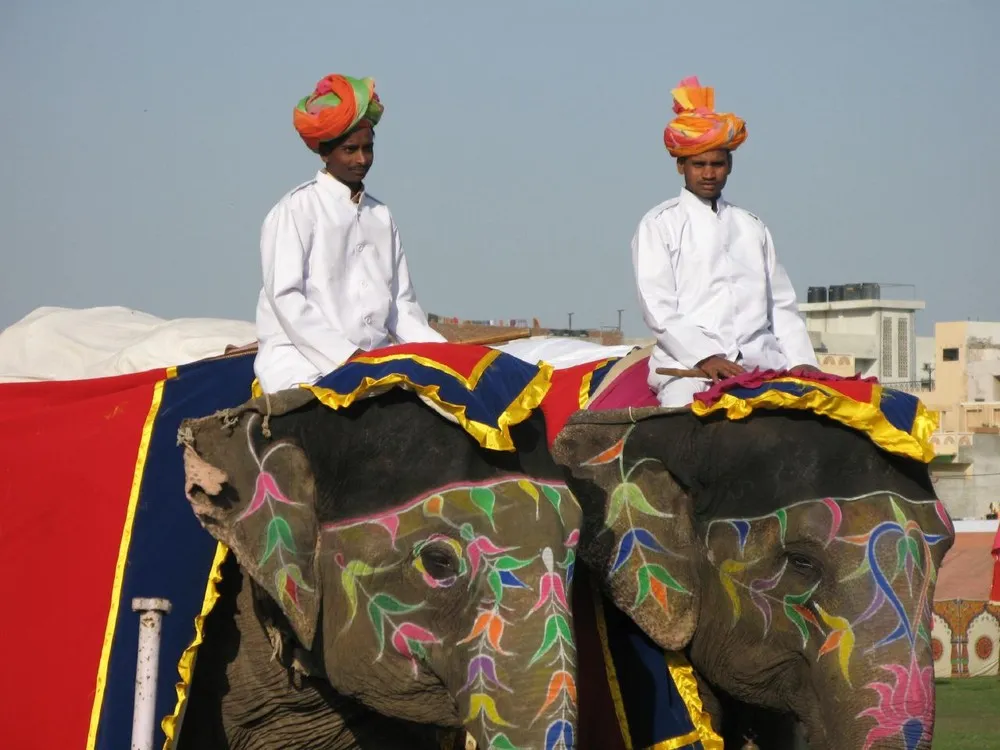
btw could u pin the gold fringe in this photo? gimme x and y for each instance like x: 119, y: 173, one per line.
x: 492, y: 438
x: 865, y: 417
x: 185, y: 667
x: 682, y: 673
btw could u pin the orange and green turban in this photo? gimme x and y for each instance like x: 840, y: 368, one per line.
x: 337, y: 106
x: 698, y: 127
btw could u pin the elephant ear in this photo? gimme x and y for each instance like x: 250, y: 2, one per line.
x: 258, y: 497
x: 638, y: 522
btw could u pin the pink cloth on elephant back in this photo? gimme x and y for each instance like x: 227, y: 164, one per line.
x: 629, y: 389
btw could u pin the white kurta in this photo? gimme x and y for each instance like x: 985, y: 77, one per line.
x: 710, y: 284
x: 335, y: 280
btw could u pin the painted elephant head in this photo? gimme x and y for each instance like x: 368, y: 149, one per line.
x: 791, y: 557
x: 417, y: 573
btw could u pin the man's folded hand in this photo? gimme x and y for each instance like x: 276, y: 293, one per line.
x: 719, y: 368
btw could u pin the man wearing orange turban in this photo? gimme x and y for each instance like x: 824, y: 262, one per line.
x: 336, y: 280
x: 710, y: 286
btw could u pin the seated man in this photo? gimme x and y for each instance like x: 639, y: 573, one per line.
x: 336, y: 280
x: 709, y: 283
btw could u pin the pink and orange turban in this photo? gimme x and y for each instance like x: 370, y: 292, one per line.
x: 337, y: 105
x: 698, y: 127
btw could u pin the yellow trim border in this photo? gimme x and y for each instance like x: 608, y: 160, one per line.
x: 123, y: 548
x: 586, y: 380
x: 492, y: 438
x: 609, y: 666
x: 682, y: 673
x: 171, y: 725
x: 469, y: 382
x: 864, y: 417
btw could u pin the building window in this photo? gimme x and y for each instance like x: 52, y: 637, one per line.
x: 950, y: 355
x: 903, y: 343
x: 887, y: 347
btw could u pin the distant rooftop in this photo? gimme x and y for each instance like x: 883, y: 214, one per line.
x: 866, y: 295
x: 457, y: 330
x: 863, y: 304
x: 967, y: 570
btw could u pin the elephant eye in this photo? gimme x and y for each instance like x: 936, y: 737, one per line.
x: 803, y: 564
x: 439, y: 562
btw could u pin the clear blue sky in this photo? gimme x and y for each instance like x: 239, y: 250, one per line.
x: 144, y: 143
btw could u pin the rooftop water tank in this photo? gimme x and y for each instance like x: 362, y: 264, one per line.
x: 816, y: 294
x: 871, y: 291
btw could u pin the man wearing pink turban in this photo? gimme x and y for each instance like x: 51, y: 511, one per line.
x: 710, y: 286
x: 336, y: 280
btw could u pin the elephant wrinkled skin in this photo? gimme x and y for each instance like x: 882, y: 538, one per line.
x: 789, y: 556
x: 404, y: 579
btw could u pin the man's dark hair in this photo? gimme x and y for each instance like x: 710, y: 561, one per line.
x: 327, y: 146
x: 729, y: 157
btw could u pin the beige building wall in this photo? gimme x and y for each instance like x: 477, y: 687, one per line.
x: 950, y: 375
x: 880, y: 333
x: 983, y: 362
x: 842, y: 365
x: 966, y: 375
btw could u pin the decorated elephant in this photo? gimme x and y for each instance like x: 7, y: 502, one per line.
x: 790, y: 557
x: 393, y: 579
x: 746, y: 574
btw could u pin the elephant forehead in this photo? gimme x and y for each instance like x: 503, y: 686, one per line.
x: 508, y: 504
x: 825, y: 519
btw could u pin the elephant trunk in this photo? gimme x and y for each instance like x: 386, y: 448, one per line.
x: 893, y: 708
x: 524, y: 700
x: 520, y: 680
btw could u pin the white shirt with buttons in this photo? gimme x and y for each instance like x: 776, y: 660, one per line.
x: 335, y: 280
x: 709, y: 283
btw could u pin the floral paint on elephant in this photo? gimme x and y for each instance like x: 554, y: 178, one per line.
x: 631, y: 512
x: 519, y: 590
x: 279, y: 541
x: 874, y: 623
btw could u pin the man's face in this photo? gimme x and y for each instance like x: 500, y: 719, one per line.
x: 351, y: 158
x: 705, y: 174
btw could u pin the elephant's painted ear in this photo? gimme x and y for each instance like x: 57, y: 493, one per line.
x: 638, y: 527
x: 258, y: 498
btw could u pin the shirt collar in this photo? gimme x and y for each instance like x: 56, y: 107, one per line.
x: 336, y: 188
x: 690, y: 199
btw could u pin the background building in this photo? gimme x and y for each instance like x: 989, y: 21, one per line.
x: 455, y: 329
x: 956, y: 372
x: 855, y: 330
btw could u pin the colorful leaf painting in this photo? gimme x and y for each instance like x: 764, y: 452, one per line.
x: 840, y: 639
x: 630, y: 494
x: 556, y: 629
x: 727, y: 571
x: 289, y: 583
x: 265, y: 488
x: 654, y: 580
x: 278, y: 534
x: 484, y: 499
x: 608, y: 455
x: 481, y: 703
x: 498, y: 569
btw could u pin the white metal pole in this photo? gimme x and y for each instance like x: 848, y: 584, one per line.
x: 147, y: 669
